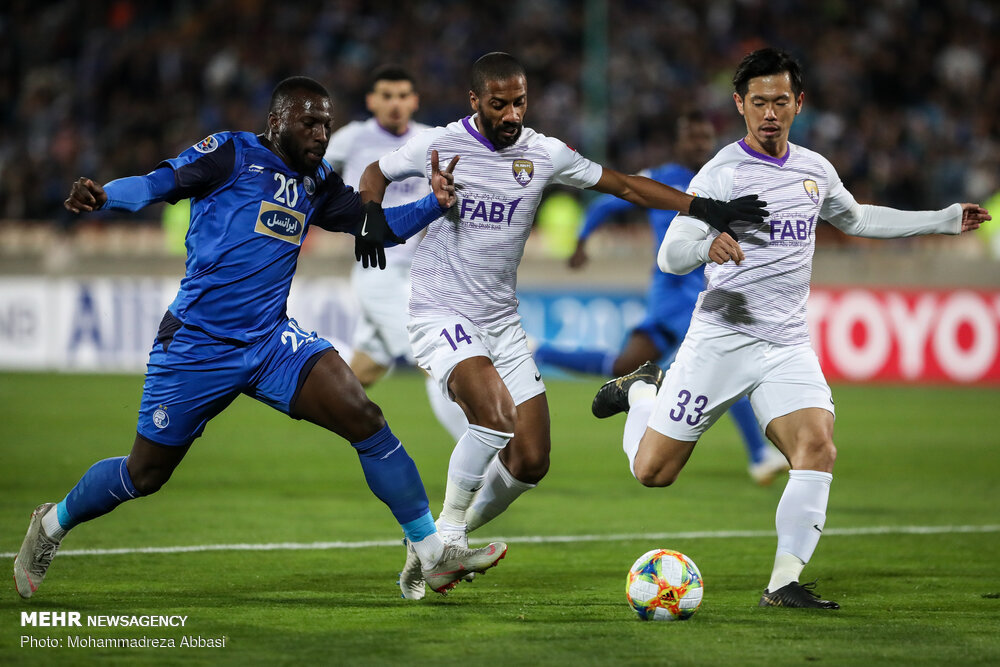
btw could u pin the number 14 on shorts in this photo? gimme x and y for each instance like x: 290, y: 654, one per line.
x: 687, y: 410
x: 459, y: 336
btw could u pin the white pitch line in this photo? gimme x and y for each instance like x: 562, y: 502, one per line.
x: 529, y: 539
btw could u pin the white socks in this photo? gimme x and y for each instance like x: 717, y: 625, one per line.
x: 642, y: 399
x: 467, y: 470
x: 497, y: 493
x: 429, y: 550
x: 799, y: 521
x: 446, y: 410
x: 51, y: 526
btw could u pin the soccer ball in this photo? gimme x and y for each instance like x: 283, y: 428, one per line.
x: 664, y: 585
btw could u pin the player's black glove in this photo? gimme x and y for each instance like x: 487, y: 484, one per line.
x: 371, y: 236
x: 718, y: 214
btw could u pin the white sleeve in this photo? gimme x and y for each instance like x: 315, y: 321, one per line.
x: 842, y: 211
x: 685, y: 246
x: 571, y: 168
x: 410, y: 159
x: 712, y: 181
x: 339, y: 148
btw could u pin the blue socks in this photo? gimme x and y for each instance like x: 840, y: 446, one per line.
x: 746, y: 422
x: 595, y: 362
x: 393, y: 478
x: 105, y: 486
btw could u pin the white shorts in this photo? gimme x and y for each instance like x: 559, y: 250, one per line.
x: 440, y: 343
x: 383, y: 300
x: 716, y: 366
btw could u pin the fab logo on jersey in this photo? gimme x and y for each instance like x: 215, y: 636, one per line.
x: 476, y: 211
x: 524, y: 171
x: 792, y: 232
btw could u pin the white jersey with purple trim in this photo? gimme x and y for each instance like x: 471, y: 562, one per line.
x: 467, y: 263
x: 359, y: 143
x: 765, y: 295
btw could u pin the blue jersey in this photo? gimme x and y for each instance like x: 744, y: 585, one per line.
x: 670, y: 298
x: 250, y: 213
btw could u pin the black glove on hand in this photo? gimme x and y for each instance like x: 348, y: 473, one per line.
x: 718, y: 214
x: 371, y: 236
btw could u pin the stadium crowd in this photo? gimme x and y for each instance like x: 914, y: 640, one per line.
x: 901, y: 94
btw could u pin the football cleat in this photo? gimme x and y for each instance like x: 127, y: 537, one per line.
x: 773, y: 464
x: 796, y: 595
x: 458, y: 562
x: 458, y: 537
x: 612, y: 397
x: 35, y: 556
x: 411, y: 579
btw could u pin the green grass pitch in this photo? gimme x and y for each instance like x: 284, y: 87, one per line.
x: 909, y: 458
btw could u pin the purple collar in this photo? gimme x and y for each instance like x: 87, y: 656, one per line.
x: 475, y: 133
x: 388, y: 131
x: 780, y: 161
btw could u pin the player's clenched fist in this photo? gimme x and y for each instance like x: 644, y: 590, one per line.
x: 725, y: 248
x: 85, y: 195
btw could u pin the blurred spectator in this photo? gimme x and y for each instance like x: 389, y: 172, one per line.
x: 130, y: 81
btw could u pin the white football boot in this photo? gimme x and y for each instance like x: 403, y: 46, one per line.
x: 457, y: 562
x: 35, y: 556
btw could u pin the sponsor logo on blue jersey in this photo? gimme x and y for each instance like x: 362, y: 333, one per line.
x: 280, y: 222
x: 524, y: 171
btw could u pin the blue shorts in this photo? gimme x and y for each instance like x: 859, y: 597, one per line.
x: 192, y: 376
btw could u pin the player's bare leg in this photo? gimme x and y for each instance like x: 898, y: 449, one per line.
x: 367, y: 370
x: 638, y: 349
x: 806, y: 438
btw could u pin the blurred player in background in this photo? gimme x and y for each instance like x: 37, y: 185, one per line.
x: 749, y: 334
x: 380, y: 338
x: 670, y: 299
x: 464, y: 328
x: 227, y: 332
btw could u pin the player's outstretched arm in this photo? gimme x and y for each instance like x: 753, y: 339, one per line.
x: 381, y: 227
x: 85, y: 195
x: 648, y: 193
x: 131, y: 193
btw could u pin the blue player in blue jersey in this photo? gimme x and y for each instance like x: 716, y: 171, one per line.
x: 253, y: 200
x: 670, y: 299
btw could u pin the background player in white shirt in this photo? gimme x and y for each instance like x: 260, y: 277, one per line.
x: 465, y: 328
x: 749, y: 333
x: 380, y: 337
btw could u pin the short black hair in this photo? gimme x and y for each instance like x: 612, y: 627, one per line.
x: 294, y: 84
x: 495, y: 66
x: 389, y: 72
x: 764, y: 62
x: 692, y: 117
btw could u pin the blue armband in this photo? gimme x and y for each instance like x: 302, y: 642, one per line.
x: 135, y: 192
x: 405, y: 221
